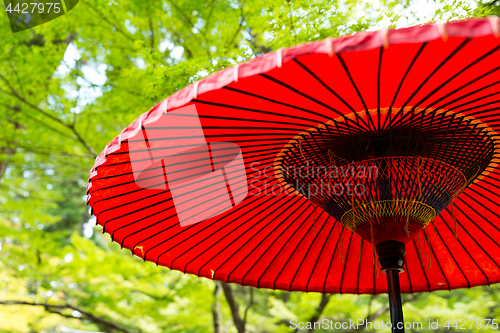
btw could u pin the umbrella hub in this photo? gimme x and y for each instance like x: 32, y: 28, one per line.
x: 390, y: 183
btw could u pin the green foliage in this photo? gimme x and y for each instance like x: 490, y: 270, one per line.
x: 69, y: 86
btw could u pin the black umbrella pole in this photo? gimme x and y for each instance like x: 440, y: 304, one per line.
x: 395, y: 304
x: 391, y: 259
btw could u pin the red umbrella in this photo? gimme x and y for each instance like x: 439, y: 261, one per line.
x: 290, y: 171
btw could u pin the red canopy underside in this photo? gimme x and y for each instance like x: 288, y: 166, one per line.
x: 280, y: 241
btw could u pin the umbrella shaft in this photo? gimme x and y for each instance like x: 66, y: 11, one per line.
x: 395, y: 304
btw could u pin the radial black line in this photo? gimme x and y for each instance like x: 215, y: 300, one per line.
x: 286, y: 205
x: 346, y: 70
x: 480, y: 229
x: 475, y: 62
x: 286, y: 218
x: 466, y: 251
x: 359, y: 263
x: 327, y: 238
x: 339, y: 240
x: 185, y: 229
x: 452, y: 256
x: 285, y: 115
x: 379, y: 72
x: 285, y: 243
x: 192, y: 226
x: 412, y: 63
x: 438, y: 67
x: 296, y: 247
x: 310, y: 247
x: 298, y: 92
x: 345, y: 263
x: 419, y: 256
x: 431, y: 249
x: 315, y: 76
x: 463, y: 86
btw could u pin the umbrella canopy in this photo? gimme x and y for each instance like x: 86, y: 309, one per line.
x: 285, y: 171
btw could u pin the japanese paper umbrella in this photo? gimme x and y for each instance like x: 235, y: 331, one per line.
x: 296, y: 169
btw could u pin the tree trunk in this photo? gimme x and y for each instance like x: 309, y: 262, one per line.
x: 216, y: 314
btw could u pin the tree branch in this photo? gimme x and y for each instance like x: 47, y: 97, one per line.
x: 104, y: 18
x: 190, y: 25
x: 240, y: 25
x: 325, y: 298
x: 216, y: 314
x: 250, y: 304
x: 152, y: 37
x: 58, y: 308
x: 234, y: 307
x: 48, y: 115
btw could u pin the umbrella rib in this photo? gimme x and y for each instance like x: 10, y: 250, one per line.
x: 451, y: 254
x: 136, y: 211
x: 151, y: 225
x: 226, y: 235
x: 379, y: 74
x: 252, y: 120
x: 475, y: 211
x: 278, y: 145
x: 421, y: 264
x: 460, y: 224
x: 262, y: 111
x: 186, y: 193
x: 478, y: 60
x: 448, y: 58
x: 218, y: 127
x: 375, y: 267
x: 316, y: 77
x: 407, y: 271
x: 118, y: 153
x: 271, y: 152
x: 341, y: 234
x: 296, y: 247
x: 217, y: 136
x: 489, y: 179
x: 482, y: 105
x: 345, y: 263
x: 308, y: 250
x: 321, y: 251
x: 146, y: 188
x: 284, y: 244
x: 485, y: 207
x: 240, y: 235
x: 465, y: 85
x: 346, y: 70
x: 171, y: 216
x: 187, y: 228
x: 465, y: 250
x: 410, y: 66
x: 264, y: 252
x: 169, y: 199
x: 468, y: 253
x: 293, y: 252
x: 298, y: 92
x: 437, y: 260
x: 201, y: 230
x: 155, y: 204
x: 360, y: 261
x: 468, y: 95
x: 140, y: 220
